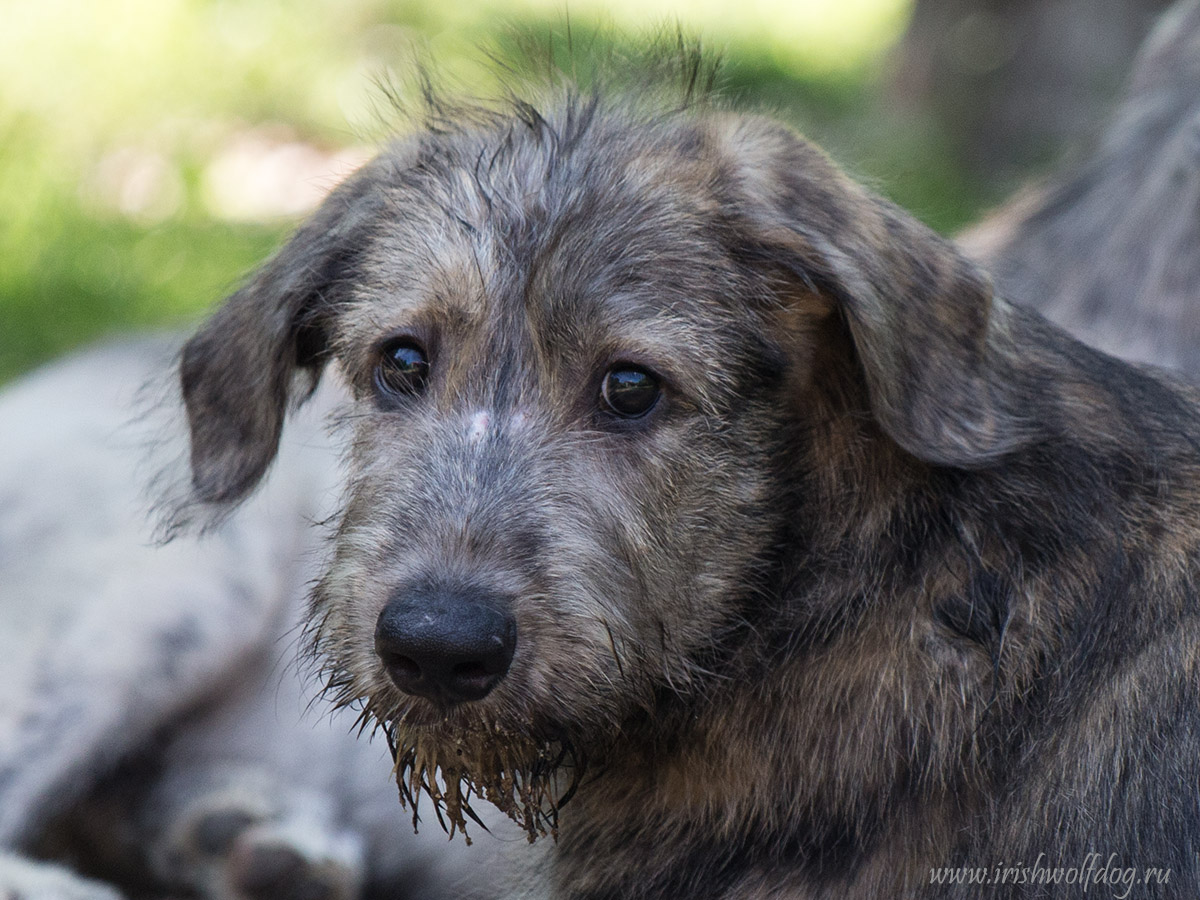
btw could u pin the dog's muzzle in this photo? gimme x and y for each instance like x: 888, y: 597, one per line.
x: 448, y: 645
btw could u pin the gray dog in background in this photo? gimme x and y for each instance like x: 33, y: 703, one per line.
x: 710, y: 516
x: 154, y: 724
x: 1110, y: 248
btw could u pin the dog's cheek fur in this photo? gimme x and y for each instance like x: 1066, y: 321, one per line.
x: 692, y: 523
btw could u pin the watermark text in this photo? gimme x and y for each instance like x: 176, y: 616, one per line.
x: 1094, y: 871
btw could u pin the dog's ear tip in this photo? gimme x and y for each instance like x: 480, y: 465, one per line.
x: 225, y: 474
x: 963, y: 447
x: 213, y: 490
x: 209, y: 488
x: 969, y: 423
x: 215, y: 493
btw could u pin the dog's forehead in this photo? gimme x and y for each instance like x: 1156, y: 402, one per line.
x: 620, y: 223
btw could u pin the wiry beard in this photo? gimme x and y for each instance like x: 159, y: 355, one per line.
x: 457, y: 761
x: 520, y: 775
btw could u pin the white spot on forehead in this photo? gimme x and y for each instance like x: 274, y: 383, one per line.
x: 480, y: 422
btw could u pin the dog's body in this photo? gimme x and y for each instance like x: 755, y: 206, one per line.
x: 689, y: 478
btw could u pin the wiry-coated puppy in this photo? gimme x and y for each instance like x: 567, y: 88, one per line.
x: 689, y: 479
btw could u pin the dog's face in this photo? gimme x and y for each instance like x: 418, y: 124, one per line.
x: 584, y: 353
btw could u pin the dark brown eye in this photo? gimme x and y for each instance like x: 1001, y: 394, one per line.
x: 629, y: 392
x: 403, y: 367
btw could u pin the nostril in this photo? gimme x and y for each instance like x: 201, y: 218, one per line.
x: 401, y: 665
x: 472, y: 679
x: 471, y: 670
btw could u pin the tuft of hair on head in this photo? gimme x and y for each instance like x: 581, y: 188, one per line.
x: 662, y: 70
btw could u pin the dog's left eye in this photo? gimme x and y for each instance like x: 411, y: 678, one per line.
x: 629, y: 392
x: 403, y: 367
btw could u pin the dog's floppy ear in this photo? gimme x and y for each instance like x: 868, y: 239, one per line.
x: 246, y: 363
x: 933, y: 344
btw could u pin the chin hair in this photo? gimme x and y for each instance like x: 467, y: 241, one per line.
x: 527, y: 776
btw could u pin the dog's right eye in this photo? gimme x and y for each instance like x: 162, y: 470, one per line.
x: 629, y: 391
x: 403, y: 367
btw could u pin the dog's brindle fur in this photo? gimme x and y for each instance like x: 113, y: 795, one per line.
x: 894, y: 576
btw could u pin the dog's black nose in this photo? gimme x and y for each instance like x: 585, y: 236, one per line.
x: 447, y: 645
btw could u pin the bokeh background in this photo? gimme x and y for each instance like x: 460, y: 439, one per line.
x: 152, y: 151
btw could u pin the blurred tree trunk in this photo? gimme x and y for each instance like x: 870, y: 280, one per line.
x: 1011, y: 80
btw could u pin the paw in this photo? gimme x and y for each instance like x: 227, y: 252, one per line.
x: 243, y: 844
x: 24, y: 879
x: 288, y: 861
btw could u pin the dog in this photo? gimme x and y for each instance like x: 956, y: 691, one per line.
x: 716, y: 521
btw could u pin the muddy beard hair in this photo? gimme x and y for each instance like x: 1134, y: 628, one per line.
x: 520, y: 772
x: 521, y: 775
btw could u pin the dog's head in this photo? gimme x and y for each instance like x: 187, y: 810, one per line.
x: 587, y: 349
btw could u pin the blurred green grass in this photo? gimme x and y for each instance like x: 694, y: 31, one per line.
x: 115, y: 115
